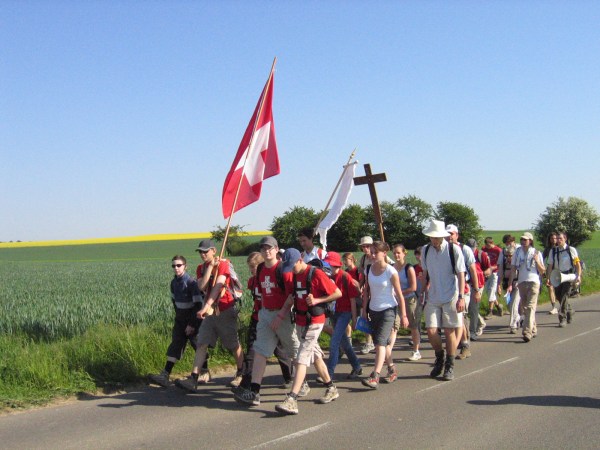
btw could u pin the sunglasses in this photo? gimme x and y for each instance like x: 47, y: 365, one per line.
x: 177, y: 265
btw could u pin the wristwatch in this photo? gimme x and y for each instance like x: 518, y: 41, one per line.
x: 461, y: 297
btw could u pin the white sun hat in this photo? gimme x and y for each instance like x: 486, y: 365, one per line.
x: 436, y: 228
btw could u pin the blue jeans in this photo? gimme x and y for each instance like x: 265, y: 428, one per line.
x: 341, y: 321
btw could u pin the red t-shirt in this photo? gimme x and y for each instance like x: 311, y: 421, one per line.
x: 226, y: 300
x: 354, y: 273
x: 494, y: 254
x: 272, y: 295
x: 349, y: 291
x: 253, y: 287
x: 321, y: 286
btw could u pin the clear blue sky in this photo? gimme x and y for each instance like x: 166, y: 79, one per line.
x: 121, y: 118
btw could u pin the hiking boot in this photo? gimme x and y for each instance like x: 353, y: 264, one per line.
x: 330, y: 395
x: 562, y: 323
x: 162, y: 379
x: 288, y: 406
x: 500, y: 309
x: 372, y: 381
x: 449, y: 370
x: 415, y: 356
x: 438, y: 365
x: 526, y: 338
x: 304, y: 389
x: 513, y: 331
x: 367, y: 348
x: 391, y: 375
x: 237, y: 379
x: 465, y: 352
x: 204, y: 377
x: 553, y: 311
x: 187, y: 384
x: 355, y: 374
x: 247, y: 397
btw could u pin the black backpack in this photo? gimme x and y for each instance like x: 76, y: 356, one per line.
x: 328, y: 308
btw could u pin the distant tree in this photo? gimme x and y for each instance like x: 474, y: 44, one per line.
x: 236, y: 242
x: 392, y: 222
x: 417, y: 213
x: 285, y: 228
x: 345, y: 234
x: 463, y: 217
x: 573, y: 216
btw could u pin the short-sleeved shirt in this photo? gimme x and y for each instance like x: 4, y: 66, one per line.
x: 526, y: 265
x: 348, y: 289
x: 315, y: 253
x: 494, y: 254
x: 561, y: 255
x: 354, y: 273
x: 271, y: 294
x: 443, y: 283
x: 382, y: 289
x: 226, y: 299
x: 321, y: 286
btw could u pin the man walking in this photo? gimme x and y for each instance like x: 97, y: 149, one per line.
x: 444, y: 263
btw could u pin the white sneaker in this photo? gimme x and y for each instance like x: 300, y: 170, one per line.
x: 330, y: 395
x: 415, y: 356
x: 553, y: 311
x: 304, y: 390
x: 479, y: 331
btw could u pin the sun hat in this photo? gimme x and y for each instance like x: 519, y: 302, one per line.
x: 451, y: 228
x: 366, y: 240
x: 289, y: 259
x: 205, y: 245
x: 334, y: 259
x: 527, y: 235
x: 436, y: 228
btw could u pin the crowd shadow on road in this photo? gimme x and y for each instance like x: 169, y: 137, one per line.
x: 543, y: 400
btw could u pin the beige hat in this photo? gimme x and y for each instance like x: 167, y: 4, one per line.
x: 436, y: 228
x: 366, y: 240
x: 527, y: 235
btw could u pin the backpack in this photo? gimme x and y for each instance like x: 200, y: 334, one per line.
x: 484, y: 261
x: 234, y: 286
x: 328, y: 308
x: 479, y: 272
x: 278, y: 275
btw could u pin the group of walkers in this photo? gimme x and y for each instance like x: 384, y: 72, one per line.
x: 293, y: 293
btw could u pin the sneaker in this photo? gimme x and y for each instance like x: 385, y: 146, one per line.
x: 367, y: 348
x: 513, y: 331
x: 204, y: 377
x: 553, y: 311
x: 562, y: 323
x: 319, y: 380
x: 569, y: 317
x: 187, y: 384
x: 287, y: 384
x: 392, y: 375
x: 247, y: 397
x: 526, y: 338
x: 488, y: 316
x: 473, y: 337
x: 465, y: 352
x: 237, y: 379
x: 288, y: 406
x: 330, y: 395
x: 500, y: 309
x: 415, y: 356
x: 162, y: 379
x: 480, y: 329
x: 355, y: 374
x: 372, y: 381
x: 411, y: 343
x: 438, y: 365
x: 448, y: 373
x: 304, y: 390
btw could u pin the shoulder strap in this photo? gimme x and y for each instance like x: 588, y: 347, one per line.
x: 406, y: 267
x: 452, y: 261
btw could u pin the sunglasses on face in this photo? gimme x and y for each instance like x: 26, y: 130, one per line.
x: 177, y: 265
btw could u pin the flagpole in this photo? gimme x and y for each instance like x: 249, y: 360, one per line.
x: 237, y: 192
x: 334, y: 190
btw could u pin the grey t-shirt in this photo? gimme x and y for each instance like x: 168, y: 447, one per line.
x: 443, y: 284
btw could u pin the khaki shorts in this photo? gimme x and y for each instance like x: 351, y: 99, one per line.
x: 223, y: 326
x: 413, y: 311
x: 267, y: 339
x: 443, y: 315
x: 309, y: 344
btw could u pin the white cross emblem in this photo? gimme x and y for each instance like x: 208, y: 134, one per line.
x: 267, y: 285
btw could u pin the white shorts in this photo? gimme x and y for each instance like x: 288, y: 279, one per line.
x: 309, y: 344
x: 443, y: 315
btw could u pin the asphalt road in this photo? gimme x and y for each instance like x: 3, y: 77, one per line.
x: 543, y: 394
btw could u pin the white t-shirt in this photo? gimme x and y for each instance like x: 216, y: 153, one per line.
x: 526, y: 265
x: 382, y: 290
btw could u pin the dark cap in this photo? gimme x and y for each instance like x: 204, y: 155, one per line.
x: 268, y: 240
x: 289, y: 259
x: 205, y: 245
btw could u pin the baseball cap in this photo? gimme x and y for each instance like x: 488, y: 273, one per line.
x: 451, y: 228
x: 205, y: 245
x: 334, y: 259
x: 268, y: 240
x: 366, y: 240
x: 527, y: 235
x: 289, y: 259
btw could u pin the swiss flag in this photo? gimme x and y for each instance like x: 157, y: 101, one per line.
x: 256, y: 158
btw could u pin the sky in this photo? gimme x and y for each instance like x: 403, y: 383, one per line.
x: 122, y: 118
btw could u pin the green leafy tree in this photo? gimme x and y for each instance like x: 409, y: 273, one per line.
x: 573, y: 216
x: 285, y: 228
x: 416, y: 214
x: 463, y: 217
x: 392, y: 219
x: 345, y: 234
x: 236, y: 242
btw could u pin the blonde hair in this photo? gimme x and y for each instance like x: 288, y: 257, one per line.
x: 254, y: 258
x: 404, y: 251
x: 350, y: 256
x: 381, y: 246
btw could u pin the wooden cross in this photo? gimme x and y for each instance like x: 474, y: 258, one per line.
x: 370, y: 180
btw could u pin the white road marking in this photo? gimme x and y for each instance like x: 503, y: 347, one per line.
x: 291, y: 436
x: 436, y: 386
x: 576, y: 336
